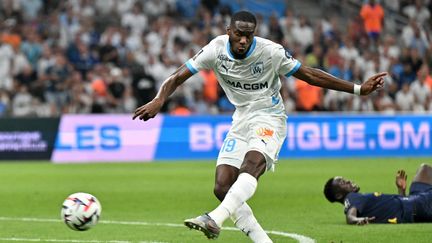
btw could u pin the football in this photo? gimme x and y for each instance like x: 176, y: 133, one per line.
x: 81, y: 211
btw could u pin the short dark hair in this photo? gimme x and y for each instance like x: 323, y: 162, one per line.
x: 329, y: 191
x: 243, y: 16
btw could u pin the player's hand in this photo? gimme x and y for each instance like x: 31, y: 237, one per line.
x: 149, y: 110
x: 401, y: 179
x: 373, y: 83
x: 365, y: 220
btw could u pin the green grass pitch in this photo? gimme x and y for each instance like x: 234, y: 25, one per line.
x: 147, y: 202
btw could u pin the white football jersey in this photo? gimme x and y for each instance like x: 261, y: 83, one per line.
x: 251, y: 83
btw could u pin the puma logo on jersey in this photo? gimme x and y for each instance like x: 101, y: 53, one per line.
x: 246, y: 232
x: 225, y: 68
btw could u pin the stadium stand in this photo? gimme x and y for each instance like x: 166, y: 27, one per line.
x: 108, y: 56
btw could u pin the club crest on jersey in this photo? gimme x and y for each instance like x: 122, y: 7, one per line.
x: 257, y: 69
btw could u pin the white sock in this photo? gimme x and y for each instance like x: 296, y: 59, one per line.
x: 244, y: 220
x: 240, y: 192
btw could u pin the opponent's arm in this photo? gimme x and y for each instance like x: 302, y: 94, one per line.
x: 149, y: 110
x: 351, y: 217
x: 317, y: 77
x: 401, y: 179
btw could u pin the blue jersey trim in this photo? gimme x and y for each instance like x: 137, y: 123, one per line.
x: 297, y: 66
x: 275, y: 100
x: 251, y: 49
x: 191, y: 68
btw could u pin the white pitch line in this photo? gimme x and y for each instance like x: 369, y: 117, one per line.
x: 71, y: 241
x: 58, y: 240
x: 299, y: 238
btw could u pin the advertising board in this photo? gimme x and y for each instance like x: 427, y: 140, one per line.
x: 118, y: 138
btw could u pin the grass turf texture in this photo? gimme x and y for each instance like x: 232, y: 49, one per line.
x: 289, y: 200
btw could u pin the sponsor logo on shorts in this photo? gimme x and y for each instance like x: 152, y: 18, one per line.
x: 265, y: 132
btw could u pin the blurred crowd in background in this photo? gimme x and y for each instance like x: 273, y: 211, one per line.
x: 111, y: 56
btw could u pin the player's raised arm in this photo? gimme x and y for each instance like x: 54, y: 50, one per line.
x: 401, y: 178
x: 149, y: 110
x: 322, y: 79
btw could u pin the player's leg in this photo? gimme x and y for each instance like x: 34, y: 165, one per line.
x: 243, y: 217
x: 421, y: 186
x: 254, y: 164
x: 227, y: 168
x: 422, y: 181
x: 245, y: 220
x: 225, y: 177
x: 263, y: 145
x: 243, y: 188
x: 424, y: 174
x: 265, y: 135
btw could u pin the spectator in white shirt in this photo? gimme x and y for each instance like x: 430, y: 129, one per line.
x: 303, y: 33
x: 22, y: 103
x: 417, y: 11
x: 135, y: 19
x: 348, y: 51
x: 384, y: 103
x: 6, y: 61
x: 409, y: 33
x: 420, y: 88
x: 405, y: 98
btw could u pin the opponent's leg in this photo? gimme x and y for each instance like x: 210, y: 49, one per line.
x: 424, y: 174
x: 243, y: 217
x: 422, y: 186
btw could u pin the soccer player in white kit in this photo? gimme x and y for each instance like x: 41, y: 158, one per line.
x: 248, y: 70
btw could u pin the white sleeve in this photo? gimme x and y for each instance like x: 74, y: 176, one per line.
x: 283, y: 62
x: 204, y: 59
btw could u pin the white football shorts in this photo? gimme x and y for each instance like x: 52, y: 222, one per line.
x: 260, y: 132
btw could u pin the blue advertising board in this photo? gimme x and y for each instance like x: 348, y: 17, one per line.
x: 308, y: 136
x: 115, y: 138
